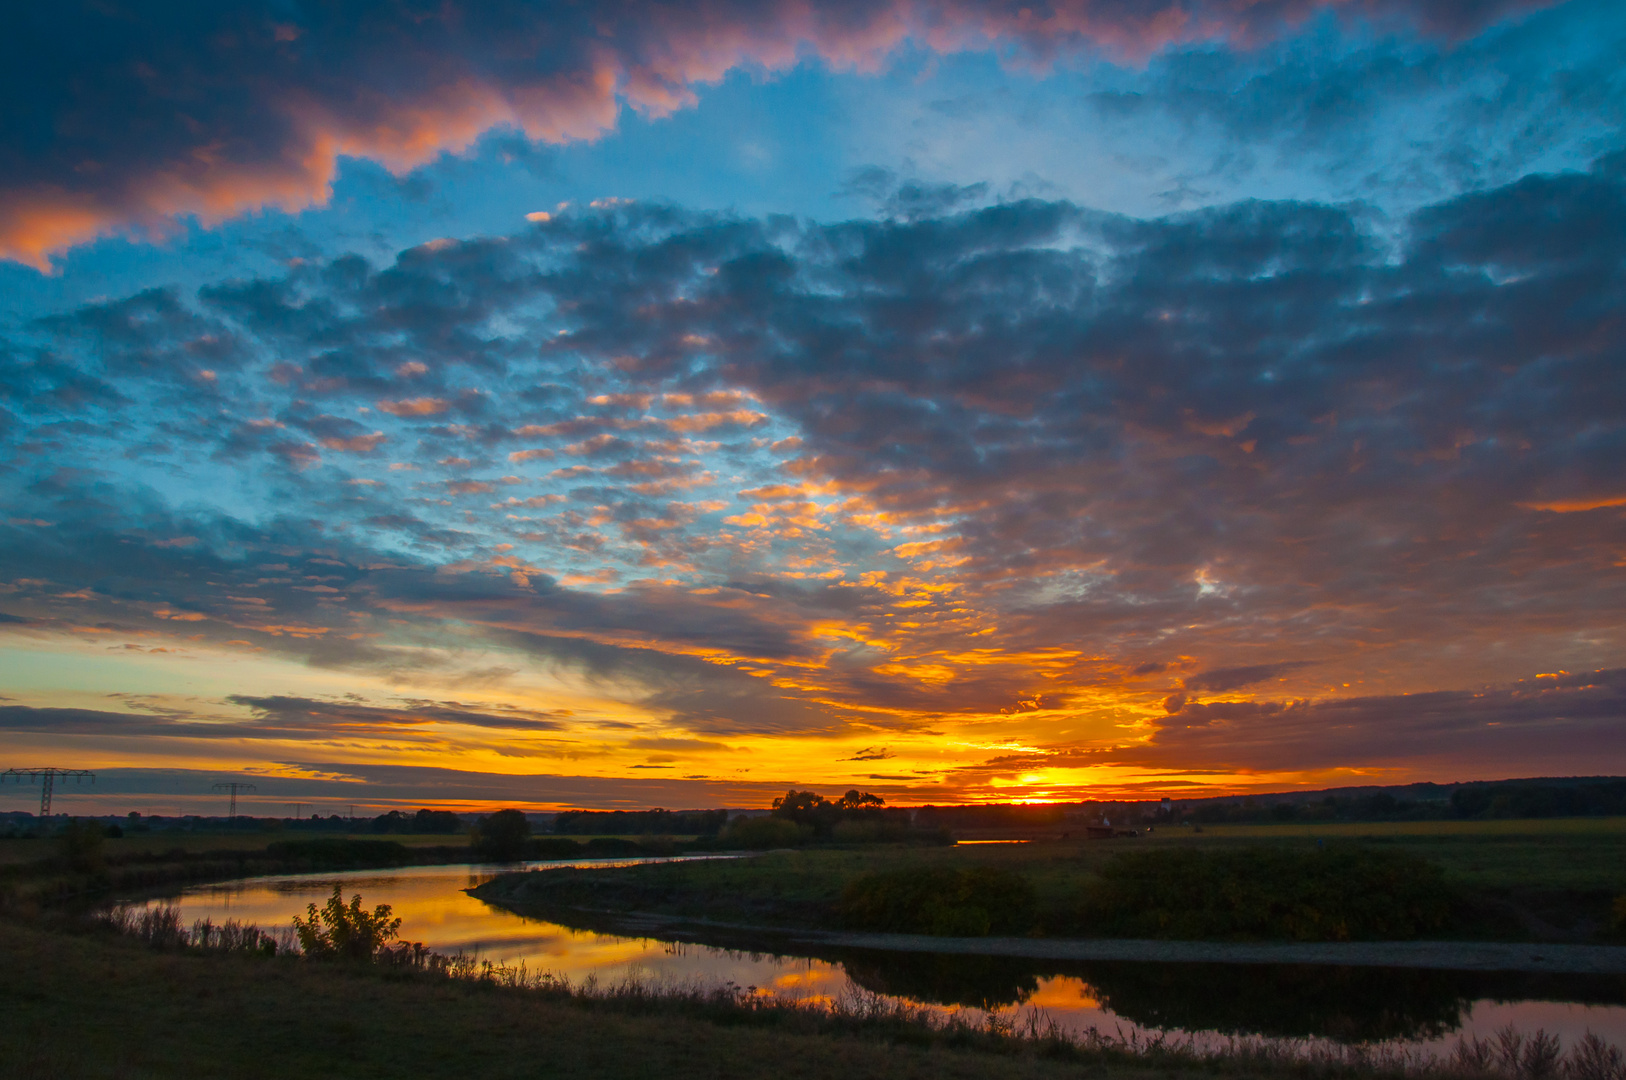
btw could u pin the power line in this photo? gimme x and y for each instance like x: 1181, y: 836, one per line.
x: 49, y: 775
x: 234, y: 786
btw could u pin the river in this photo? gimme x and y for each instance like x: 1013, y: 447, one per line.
x: 1427, y: 1010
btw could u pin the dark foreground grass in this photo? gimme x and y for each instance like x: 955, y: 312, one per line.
x: 91, y: 1006
x: 95, y: 1005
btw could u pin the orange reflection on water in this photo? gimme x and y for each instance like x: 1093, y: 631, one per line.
x: 435, y: 910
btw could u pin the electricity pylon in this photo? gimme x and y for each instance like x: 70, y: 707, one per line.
x: 234, y: 787
x: 49, y: 775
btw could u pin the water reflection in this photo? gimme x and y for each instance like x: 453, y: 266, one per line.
x: 1428, y: 1008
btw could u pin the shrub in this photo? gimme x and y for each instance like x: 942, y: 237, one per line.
x: 337, y: 932
x: 944, y: 901
x: 883, y: 831
x: 554, y: 847
x: 502, y: 836
x: 761, y: 833
x: 80, y: 845
x: 1341, y: 893
x: 339, y: 851
x: 611, y: 846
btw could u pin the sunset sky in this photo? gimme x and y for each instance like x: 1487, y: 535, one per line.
x: 636, y: 403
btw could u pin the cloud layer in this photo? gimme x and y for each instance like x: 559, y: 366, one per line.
x: 1268, y: 483
x: 120, y: 121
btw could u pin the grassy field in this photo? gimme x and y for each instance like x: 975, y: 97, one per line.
x: 1544, y: 854
x: 1538, y: 878
x: 93, y: 1007
x: 136, y: 844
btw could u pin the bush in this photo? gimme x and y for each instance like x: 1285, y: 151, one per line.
x: 337, y: 932
x: 554, y: 847
x: 80, y: 845
x: 612, y: 846
x: 339, y: 852
x: 502, y: 836
x: 887, y: 832
x: 945, y: 902
x: 1338, y: 894
x: 761, y: 833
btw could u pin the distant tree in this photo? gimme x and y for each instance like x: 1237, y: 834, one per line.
x: 822, y: 815
x: 436, y: 821
x: 503, y: 835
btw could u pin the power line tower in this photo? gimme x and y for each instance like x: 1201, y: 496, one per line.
x: 49, y: 776
x: 234, y: 786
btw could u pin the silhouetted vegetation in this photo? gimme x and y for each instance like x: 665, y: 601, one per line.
x: 424, y: 822
x: 80, y: 845
x: 1345, y: 892
x: 997, y: 816
x: 1480, y: 800
x: 656, y: 822
x: 161, y: 928
x: 337, y: 931
x: 942, y: 901
x: 810, y: 809
x: 1539, y: 800
x: 764, y: 833
x: 502, y: 836
x: 333, y: 852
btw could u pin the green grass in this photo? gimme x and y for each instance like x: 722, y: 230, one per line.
x: 1529, y: 878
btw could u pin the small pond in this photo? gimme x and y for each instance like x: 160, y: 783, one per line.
x: 1420, y: 1008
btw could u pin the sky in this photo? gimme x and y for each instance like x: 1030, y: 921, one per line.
x: 648, y: 404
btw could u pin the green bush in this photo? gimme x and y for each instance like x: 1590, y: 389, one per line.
x: 1342, y: 893
x: 338, y: 932
x: 761, y: 833
x: 943, y: 901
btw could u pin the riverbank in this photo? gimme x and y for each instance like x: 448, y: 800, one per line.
x: 1526, y: 957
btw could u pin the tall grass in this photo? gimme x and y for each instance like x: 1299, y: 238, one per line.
x: 161, y: 928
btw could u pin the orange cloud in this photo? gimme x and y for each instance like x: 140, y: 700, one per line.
x: 424, y: 406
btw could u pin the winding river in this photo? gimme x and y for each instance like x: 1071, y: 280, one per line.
x: 1427, y: 1010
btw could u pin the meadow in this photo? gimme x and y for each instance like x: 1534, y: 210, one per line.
x: 1513, y: 880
